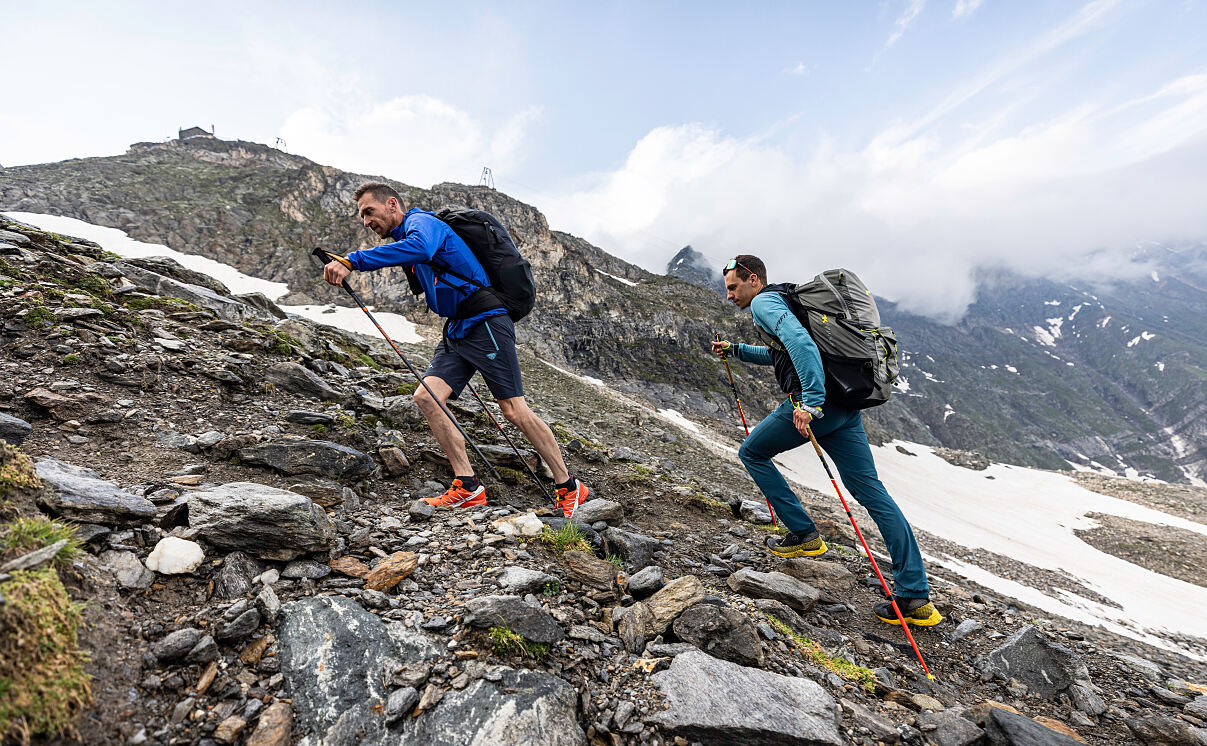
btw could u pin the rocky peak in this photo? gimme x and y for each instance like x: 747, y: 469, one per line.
x: 691, y: 266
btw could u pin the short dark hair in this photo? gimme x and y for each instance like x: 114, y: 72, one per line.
x: 380, y: 192
x: 747, y: 265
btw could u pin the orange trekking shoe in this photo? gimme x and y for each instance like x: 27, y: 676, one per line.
x: 457, y: 496
x: 569, y: 499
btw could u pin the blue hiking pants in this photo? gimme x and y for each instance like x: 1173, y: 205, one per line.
x: 841, y: 436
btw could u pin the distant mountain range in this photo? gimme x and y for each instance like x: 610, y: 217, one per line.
x: 1038, y: 372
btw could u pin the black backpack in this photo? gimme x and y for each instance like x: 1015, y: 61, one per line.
x: 511, y: 283
x: 858, y: 354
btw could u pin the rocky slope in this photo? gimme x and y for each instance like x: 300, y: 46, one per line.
x: 268, y: 469
x: 1000, y: 382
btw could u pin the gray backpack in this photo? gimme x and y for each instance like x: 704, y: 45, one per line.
x: 858, y: 354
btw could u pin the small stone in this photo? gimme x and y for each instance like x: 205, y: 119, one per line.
x: 350, y: 566
x: 646, y: 581
x: 203, y: 652
x: 401, y: 702
x: 127, y: 569
x: 394, y: 460
x: 241, y: 628
x: 268, y: 604
x: 175, y: 556
x: 421, y: 511
x: 589, y: 569
x: 391, y: 571
x: 228, y: 730
x: 176, y: 644
x: 274, y: 728
x: 305, y: 569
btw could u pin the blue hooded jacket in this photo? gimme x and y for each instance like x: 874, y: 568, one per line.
x: 421, y: 238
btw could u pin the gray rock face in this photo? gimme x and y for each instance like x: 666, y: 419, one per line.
x: 951, y: 728
x: 519, y: 709
x: 14, y: 430
x: 320, y: 457
x: 721, y: 632
x: 268, y: 522
x: 755, y: 511
x: 1045, y: 667
x: 598, y: 509
x: 169, y: 267
x: 710, y: 701
x: 261, y: 301
x: 1086, y: 699
x: 176, y: 645
x: 303, y: 417
x: 81, y: 495
x: 129, y: 571
x: 219, y: 304
x: 635, y: 549
x: 233, y: 579
x: 336, y: 658
x: 293, y: 377
x: 239, y: 628
x: 522, y: 580
x: 1197, y: 707
x: 531, y: 622
x: 646, y: 582
x: 1007, y: 729
x: 775, y: 585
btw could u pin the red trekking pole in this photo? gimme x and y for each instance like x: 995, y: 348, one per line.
x: 875, y: 567
x: 742, y: 414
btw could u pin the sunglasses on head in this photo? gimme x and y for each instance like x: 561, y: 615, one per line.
x: 734, y: 264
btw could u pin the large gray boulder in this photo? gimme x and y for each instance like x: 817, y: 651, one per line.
x: 265, y: 521
x: 721, y: 632
x: 337, y: 660
x: 594, y: 511
x: 299, y: 380
x: 507, y: 707
x: 81, y: 495
x: 532, y: 623
x: 710, y: 700
x: 219, y: 304
x: 775, y: 585
x: 636, y: 550
x: 320, y: 457
x: 1044, y: 666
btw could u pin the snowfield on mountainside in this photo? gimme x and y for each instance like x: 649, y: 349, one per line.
x: 1025, y: 514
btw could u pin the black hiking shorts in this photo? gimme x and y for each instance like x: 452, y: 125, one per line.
x: 489, y: 349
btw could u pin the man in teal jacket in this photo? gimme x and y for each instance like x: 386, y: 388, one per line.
x: 798, y: 369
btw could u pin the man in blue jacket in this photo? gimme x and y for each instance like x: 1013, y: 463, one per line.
x: 798, y: 369
x: 479, y: 336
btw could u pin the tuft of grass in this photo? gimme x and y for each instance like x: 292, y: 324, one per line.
x: 566, y: 538
x: 72, y: 358
x: 615, y: 560
x: 28, y: 533
x: 772, y: 528
x: 510, y: 644
x: 404, y: 389
x: 318, y: 430
x: 163, y: 302
x: 864, y: 677
x: 510, y: 476
x: 552, y: 588
x: 367, y: 361
x: 39, y: 316
x: 709, y: 505
x: 345, y: 420
x: 16, y: 471
x: 43, y: 685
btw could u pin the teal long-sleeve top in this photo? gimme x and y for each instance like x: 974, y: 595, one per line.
x: 773, y: 316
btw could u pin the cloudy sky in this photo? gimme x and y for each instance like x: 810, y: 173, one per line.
x: 910, y: 140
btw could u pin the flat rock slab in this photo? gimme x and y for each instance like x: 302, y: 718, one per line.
x: 598, y: 509
x: 818, y: 572
x: 300, y: 380
x: 710, y: 701
x: 721, y: 632
x: 268, y: 522
x: 522, y: 580
x: 1008, y: 729
x: 673, y: 599
x: 755, y: 511
x: 775, y: 585
x: 589, y: 569
x: 533, y: 623
x: 81, y: 495
x: 320, y: 457
x: 1044, y: 666
x: 391, y: 571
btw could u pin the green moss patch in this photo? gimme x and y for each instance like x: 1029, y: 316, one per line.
x: 865, y: 678
x: 43, y: 686
x: 510, y: 644
x: 28, y: 533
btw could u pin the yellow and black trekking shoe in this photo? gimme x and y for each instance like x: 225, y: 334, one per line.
x: 919, y: 612
x: 797, y: 546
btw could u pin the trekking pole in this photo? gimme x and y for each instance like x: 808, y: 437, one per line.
x: 734, y: 389
x: 510, y: 442
x: 327, y: 257
x: 742, y: 414
x: 883, y: 584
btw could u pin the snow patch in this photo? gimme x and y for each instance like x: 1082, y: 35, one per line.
x: 1155, y: 276
x: 947, y: 411
x: 1044, y: 337
x: 1143, y: 336
x: 1160, y: 366
x: 1051, y: 303
x: 1105, y: 320
x: 1076, y: 309
x: 630, y: 283
x: 901, y: 384
x: 1012, y: 369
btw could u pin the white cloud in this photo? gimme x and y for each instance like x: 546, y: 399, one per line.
x: 965, y: 8
x: 903, y: 22
x: 800, y: 68
x: 416, y: 139
x: 917, y: 212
